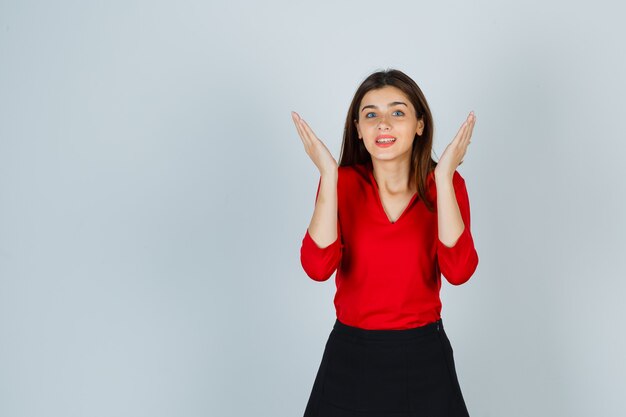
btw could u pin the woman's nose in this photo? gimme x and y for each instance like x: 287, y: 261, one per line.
x: 383, y: 124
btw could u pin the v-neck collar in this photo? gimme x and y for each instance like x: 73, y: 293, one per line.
x: 369, y: 167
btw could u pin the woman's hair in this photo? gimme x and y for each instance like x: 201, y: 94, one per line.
x: 353, y: 150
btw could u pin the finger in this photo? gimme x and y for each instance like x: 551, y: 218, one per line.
x: 309, y: 131
x: 303, y: 137
x: 298, y: 122
x: 461, y: 132
x: 295, y: 117
x: 305, y: 134
x: 466, y: 134
x: 471, y: 128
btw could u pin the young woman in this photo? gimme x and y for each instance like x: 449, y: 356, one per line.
x: 390, y: 221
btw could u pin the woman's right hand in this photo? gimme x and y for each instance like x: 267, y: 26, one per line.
x: 314, y: 147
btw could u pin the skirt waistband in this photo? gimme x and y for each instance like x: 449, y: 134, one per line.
x: 393, y: 334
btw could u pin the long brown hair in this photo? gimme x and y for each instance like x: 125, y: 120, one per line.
x: 353, y: 150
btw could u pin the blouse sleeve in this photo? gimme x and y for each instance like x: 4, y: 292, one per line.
x: 458, y: 263
x: 319, y: 263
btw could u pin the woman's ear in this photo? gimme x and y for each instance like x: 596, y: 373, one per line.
x: 420, y: 127
x: 358, y: 129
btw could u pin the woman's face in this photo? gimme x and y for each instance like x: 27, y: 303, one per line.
x: 387, y: 124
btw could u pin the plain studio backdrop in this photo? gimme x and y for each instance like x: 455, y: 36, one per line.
x: 154, y: 194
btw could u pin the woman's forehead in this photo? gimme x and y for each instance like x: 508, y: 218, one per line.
x: 385, y: 96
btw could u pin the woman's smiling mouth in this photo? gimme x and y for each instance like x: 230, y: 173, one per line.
x: 385, y: 141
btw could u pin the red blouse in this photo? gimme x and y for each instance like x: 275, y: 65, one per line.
x: 388, y: 274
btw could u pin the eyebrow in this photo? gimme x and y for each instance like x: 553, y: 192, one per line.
x: 393, y: 103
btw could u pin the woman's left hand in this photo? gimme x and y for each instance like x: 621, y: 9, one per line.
x: 453, y: 154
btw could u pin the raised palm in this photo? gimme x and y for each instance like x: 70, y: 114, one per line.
x: 314, y: 147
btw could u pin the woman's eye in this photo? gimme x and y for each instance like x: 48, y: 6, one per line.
x: 397, y: 111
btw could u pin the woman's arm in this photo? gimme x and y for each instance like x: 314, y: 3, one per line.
x: 321, y: 247
x: 323, y: 225
x: 320, y: 256
x: 456, y: 254
x: 449, y: 221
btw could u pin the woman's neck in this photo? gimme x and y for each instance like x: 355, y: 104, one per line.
x: 392, y: 177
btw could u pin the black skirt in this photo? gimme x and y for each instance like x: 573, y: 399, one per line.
x: 387, y: 373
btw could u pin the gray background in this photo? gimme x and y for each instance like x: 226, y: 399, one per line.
x: 154, y: 194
